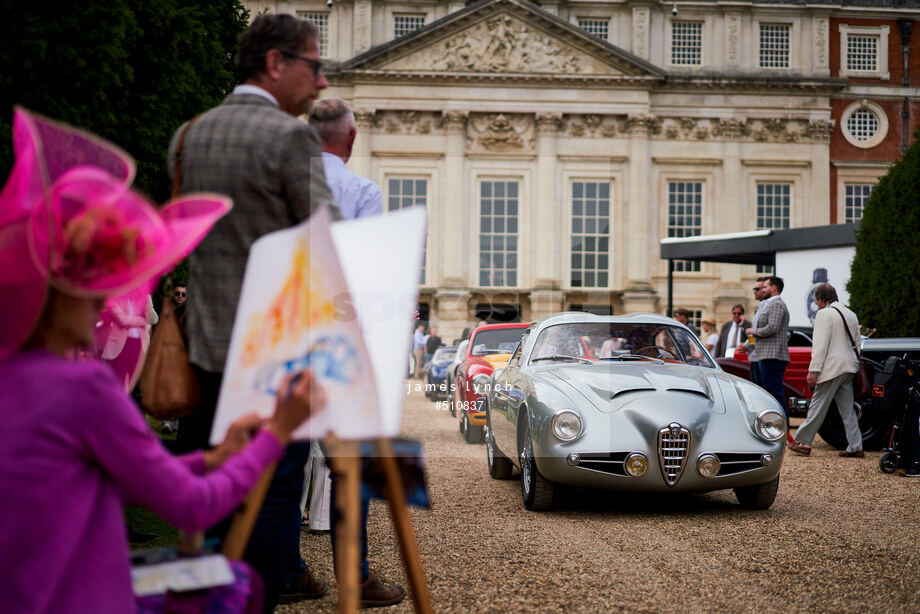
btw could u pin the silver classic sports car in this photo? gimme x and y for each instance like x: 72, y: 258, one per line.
x: 629, y: 403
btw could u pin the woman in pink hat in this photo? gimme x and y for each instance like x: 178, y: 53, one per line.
x: 72, y: 234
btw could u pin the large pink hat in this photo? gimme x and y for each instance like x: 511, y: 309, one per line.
x: 69, y: 219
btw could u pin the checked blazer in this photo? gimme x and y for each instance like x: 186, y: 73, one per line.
x: 771, y: 330
x: 271, y: 165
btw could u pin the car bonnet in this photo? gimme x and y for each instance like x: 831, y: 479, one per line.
x: 610, y: 386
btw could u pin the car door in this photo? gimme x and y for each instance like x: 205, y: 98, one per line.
x: 499, y: 408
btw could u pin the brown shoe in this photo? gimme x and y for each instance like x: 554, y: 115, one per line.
x: 856, y: 454
x: 799, y: 448
x: 304, y: 587
x: 376, y: 594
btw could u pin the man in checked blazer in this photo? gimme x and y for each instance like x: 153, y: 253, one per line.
x: 253, y: 149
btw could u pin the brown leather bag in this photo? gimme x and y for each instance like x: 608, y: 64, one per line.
x: 862, y: 383
x: 169, y: 386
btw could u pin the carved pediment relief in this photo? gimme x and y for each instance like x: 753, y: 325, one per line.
x: 501, y: 133
x: 503, y: 43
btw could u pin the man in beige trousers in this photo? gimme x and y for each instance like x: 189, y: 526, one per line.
x: 830, y: 373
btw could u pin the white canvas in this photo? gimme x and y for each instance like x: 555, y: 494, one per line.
x: 298, y: 308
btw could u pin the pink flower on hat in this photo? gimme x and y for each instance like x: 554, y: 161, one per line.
x: 68, y: 217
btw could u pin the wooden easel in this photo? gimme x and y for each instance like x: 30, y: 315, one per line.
x: 345, y: 460
x: 245, y: 517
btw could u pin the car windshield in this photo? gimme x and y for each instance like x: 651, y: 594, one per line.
x: 608, y: 341
x: 496, y: 341
x: 442, y: 355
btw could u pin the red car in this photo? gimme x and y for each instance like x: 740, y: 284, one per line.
x: 796, y: 371
x: 490, y: 347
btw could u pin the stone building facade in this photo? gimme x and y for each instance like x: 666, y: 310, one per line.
x: 554, y: 143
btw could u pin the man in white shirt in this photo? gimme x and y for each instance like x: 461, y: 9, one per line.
x: 335, y: 123
x: 732, y: 333
x: 357, y: 197
x: 830, y: 373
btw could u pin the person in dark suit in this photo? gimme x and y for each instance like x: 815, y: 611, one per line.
x: 253, y: 149
x: 732, y: 332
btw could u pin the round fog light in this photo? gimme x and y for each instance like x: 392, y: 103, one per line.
x: 708, y: 465
x: 635, y: 464
x: 766, y: 459
x: 573, y: 459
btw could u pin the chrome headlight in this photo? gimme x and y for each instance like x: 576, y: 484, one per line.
x: 771, y: 425
x: 567, y: 425
x: 707, y: 465
x: 635, y: 464
x: 481, y: 384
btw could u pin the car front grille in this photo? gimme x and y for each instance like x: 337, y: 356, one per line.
x: 673, y: 446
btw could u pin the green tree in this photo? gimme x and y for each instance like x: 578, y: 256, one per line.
x: 884, y: 286
x: 130, y: 72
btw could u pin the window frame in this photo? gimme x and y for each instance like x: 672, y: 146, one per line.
x: 569, y: 233
x: 325, y: 41
x: 880, y: 135
x: 882, y: 32
x: 666, y: 209
x: 477, y: 216
x: 605, y: 20
x: 854, y: 173
x: 397, y: 15
x: 703, y: 47
x: 792, y: 29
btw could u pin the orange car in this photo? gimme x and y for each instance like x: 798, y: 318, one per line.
x: 490, y: 347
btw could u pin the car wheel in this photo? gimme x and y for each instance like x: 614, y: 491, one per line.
x: 450, y: 404
x: 536, y: 490
x: 499, y: 466
x: 888, y: 463
x: 759, y: 496
x: 463, y: 424
x: 873, y: 424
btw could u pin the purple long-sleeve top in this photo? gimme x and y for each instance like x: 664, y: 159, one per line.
x: 74, y: 450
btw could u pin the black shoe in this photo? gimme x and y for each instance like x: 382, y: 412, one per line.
x: 139, y: 537
x: 911, y: 472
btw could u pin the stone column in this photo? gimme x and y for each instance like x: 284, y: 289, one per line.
x: 451, y: 307
x: 730, y: 217
x: 641, y: 25
x: 360, y: 161
x: 818, y: 210
x: 639, y: 294
x: 362, y: 25
x: 454, y: 249
x: 545, y: 272
x: 733, y: 39
x: 821, y: 46
x: 545, y: 302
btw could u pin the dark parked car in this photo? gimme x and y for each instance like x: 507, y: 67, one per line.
x: 874, y: 421
x: 437, y: 372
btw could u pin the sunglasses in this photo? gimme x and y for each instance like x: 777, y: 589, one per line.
x: 179, y: 294
x: 316, y: 64
x: 737, y: 313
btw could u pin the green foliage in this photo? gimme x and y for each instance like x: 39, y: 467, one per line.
x: 884, y: 286
x: 130, y: 72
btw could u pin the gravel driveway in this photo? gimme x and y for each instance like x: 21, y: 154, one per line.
x: 841, y: 537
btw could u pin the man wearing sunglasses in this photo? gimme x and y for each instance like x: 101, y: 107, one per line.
x: 744, y: 346
x: 253, y: 149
